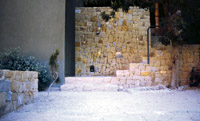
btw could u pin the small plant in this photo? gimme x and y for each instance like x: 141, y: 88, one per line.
x: 53, y: 64
x: 105, y: 16
x: 12, y: 59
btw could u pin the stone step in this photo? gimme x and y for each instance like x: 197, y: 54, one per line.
x: 89, y: 87
x: 91, y: 84
x: 122, y: 73
x: 88, y: 79
x: 55, y: 88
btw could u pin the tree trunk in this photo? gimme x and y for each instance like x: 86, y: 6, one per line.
x: 175, y: 52
x: 178, y: 66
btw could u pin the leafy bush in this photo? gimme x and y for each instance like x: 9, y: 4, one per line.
x: 13, y: 59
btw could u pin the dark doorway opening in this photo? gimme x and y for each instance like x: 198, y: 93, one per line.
x: 70, y: 38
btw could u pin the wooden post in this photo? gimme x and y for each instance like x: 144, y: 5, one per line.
x: 157, y: 14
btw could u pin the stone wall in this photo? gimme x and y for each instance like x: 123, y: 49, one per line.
x: 112, y: 45
x: 142, y: 74
x: 190, y: 57
x: 119, y: 48
x: 16, y: 89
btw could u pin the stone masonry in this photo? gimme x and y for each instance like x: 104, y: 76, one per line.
x: 16, y: 89
x: 118, y: 49
x: 112, y: 45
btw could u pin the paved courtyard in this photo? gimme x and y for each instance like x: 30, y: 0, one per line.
x: 133, y: 105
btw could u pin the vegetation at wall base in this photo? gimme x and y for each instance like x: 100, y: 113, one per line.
x: 53, y: 64
x: 12, y: 59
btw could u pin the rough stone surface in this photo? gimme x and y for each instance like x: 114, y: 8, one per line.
x: 112, y: 45
x: 5, y: 85
x: 16, y: 89
x: 119, y: 48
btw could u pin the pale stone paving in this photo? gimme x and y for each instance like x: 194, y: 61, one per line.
x: 133, y: 105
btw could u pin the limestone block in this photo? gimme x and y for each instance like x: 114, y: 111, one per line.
x: 123, y: 80
x: 35, y: 75
x: 130, y: 81
x: 141, y: 78
x: 148, y: 83
x: 163, y: 72
x: 148, y: 78
x: 168, y: 62
x: 142, y: 83
x: 14, y: 96
x: 77, y: 49
x: 107, y: 79
x: 35, y: 94
x: 85, y: 60
x: 115, y: 80
x: 8, y: 74
x: 26, y: 75
x: 148, y: 68
x: 158, y: 80
x: 137, y: 83
x: 110, y: 55
x: 28, y: 97
x: 9, y: 96
x: 126, y: 74
x: 16, y: 86
x: 20, y: 99
x: 168, y: 55
x: 135, y: 13
x: 34, y: 85
x: 129, y: 16
x: 5, y: 85
x: 2, y: 99
x: 166, y: 83
x: 144, y: 73
x: 141, y: 67
x: 133, y: 66
x: 162, y: 63
x: 156, y: 63
x: 18, y: 76
x: 158, y: 75
x: 189, y: 60
x: 164, y: 68
x: 124, y: 28
x: 137, y: 72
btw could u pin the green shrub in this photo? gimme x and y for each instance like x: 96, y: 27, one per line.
x: 13, y: 59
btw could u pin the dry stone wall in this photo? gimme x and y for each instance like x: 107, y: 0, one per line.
x: 119, y: 48
x: 142, y: 74
x: 190, y: 57
x: 16, y: 89
x: 112, y: 45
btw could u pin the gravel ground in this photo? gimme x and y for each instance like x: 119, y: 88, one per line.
x: 146, y: 105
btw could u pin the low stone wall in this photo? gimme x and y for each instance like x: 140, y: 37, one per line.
x: 16, y: 89
x: 159, y: 71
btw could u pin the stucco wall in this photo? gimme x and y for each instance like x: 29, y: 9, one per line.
x: 37, y: 26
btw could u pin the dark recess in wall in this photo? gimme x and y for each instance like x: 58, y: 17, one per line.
x: 70, y: 38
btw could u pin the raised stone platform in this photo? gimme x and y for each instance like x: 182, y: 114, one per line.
x: 91, y: 84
